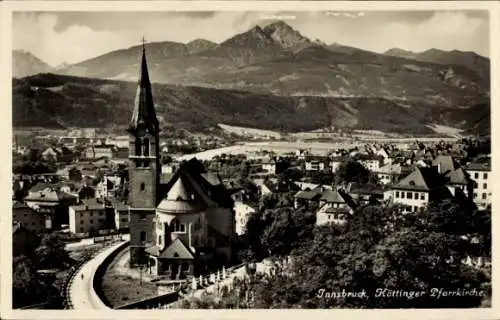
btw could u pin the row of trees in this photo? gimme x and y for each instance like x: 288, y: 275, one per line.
x: 378, y: 248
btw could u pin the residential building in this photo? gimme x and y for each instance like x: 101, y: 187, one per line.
x: 370, y: 162
x: 365, y: 193
x: 384, y: 153
x: 389, y: 173
x: 301, y: 154
x: 269, y: 166
x: 27, y: 217
x: 334, y: 207
x: 90, y: 216
x: 444, y: 164
x: 121, y: 216
x: 315, y: 163
x: 107, y: 187
x: 242, y: 213
x: 336, y: 161
x: 308, y: 197
x: 419, y: 188
x: 480, y: 172
x: 460, y: 179
x: 52, y: 203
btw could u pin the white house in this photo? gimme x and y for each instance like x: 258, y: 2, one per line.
x: 315, y: 164
x: 269, y: 166
x: 335, y: 162
x: 334, y: 207
x: 242, y: 213
x: 480, y: 172
x: 371, y: 162
x: 88, y: 216
x: 389, y: 173
x: 416, y: 190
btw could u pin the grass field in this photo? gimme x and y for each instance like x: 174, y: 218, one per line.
x: 121, y: 285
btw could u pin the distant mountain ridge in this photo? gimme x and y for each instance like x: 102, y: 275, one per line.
x: 278, y: 59
x: 55, y: 101
x: 24, y: 63
x: 272, y: 70
x: 468, y: 59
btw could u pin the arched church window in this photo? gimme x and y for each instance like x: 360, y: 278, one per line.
x: 143, y: 186
x: 145, y: 144
x: 137, y: 147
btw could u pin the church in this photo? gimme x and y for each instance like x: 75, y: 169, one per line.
x: 185, y: 226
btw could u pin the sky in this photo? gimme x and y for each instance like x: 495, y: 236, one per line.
x: 71, y: 37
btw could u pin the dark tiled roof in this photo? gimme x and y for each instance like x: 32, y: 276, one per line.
x: 88, y: 204
x: 309, y: 194
x: 191, y: 175
x: 177, y: 250
x: 458, y: 176
x: 446, y: 163
x: 480, y: 165
x: 332, y: 196
x: 422, y: 179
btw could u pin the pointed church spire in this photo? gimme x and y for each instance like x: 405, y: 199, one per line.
x: 144, y: 111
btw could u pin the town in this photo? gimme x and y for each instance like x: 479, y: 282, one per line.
x: 143, y: 213
x: 76, y: 187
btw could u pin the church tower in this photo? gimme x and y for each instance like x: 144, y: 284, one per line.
x: 144, y: 166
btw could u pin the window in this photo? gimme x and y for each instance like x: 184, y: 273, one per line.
x: 397, y: 194
x: 178, y: 227
x: 137, y: 147
x: 402, y: 194
x: 416, y: 195
x: 142, y: 215
x: 422, y: 196
x: 91, y: 213
x: 485, y: 176
x: 476, y: 175
x: 81, y: 229
x: 143, y: 186
x: 81, y: 221
x: 475, y: 194
x: 485, y: 186
x: 415, y: 208
x: 159, y: 240
x: 145, y: 144
x: 101, y: 213
x: 143, y: 236
x: 484, y: 196
x: 91, y: 221
x: 409, y: 195
x: 124, y: 220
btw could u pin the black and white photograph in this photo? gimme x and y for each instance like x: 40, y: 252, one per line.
x: 251, y: 159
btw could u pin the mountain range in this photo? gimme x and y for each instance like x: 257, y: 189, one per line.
x: 277, y: 64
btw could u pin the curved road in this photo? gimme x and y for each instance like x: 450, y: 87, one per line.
x: 81, y: 291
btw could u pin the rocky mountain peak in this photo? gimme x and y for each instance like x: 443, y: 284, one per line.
x: 285, y: 35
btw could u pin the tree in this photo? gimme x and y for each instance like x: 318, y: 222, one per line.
x: 75, y: 174
x: 352, y: 171
x: 377, y: 248
x: 51, y: 252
